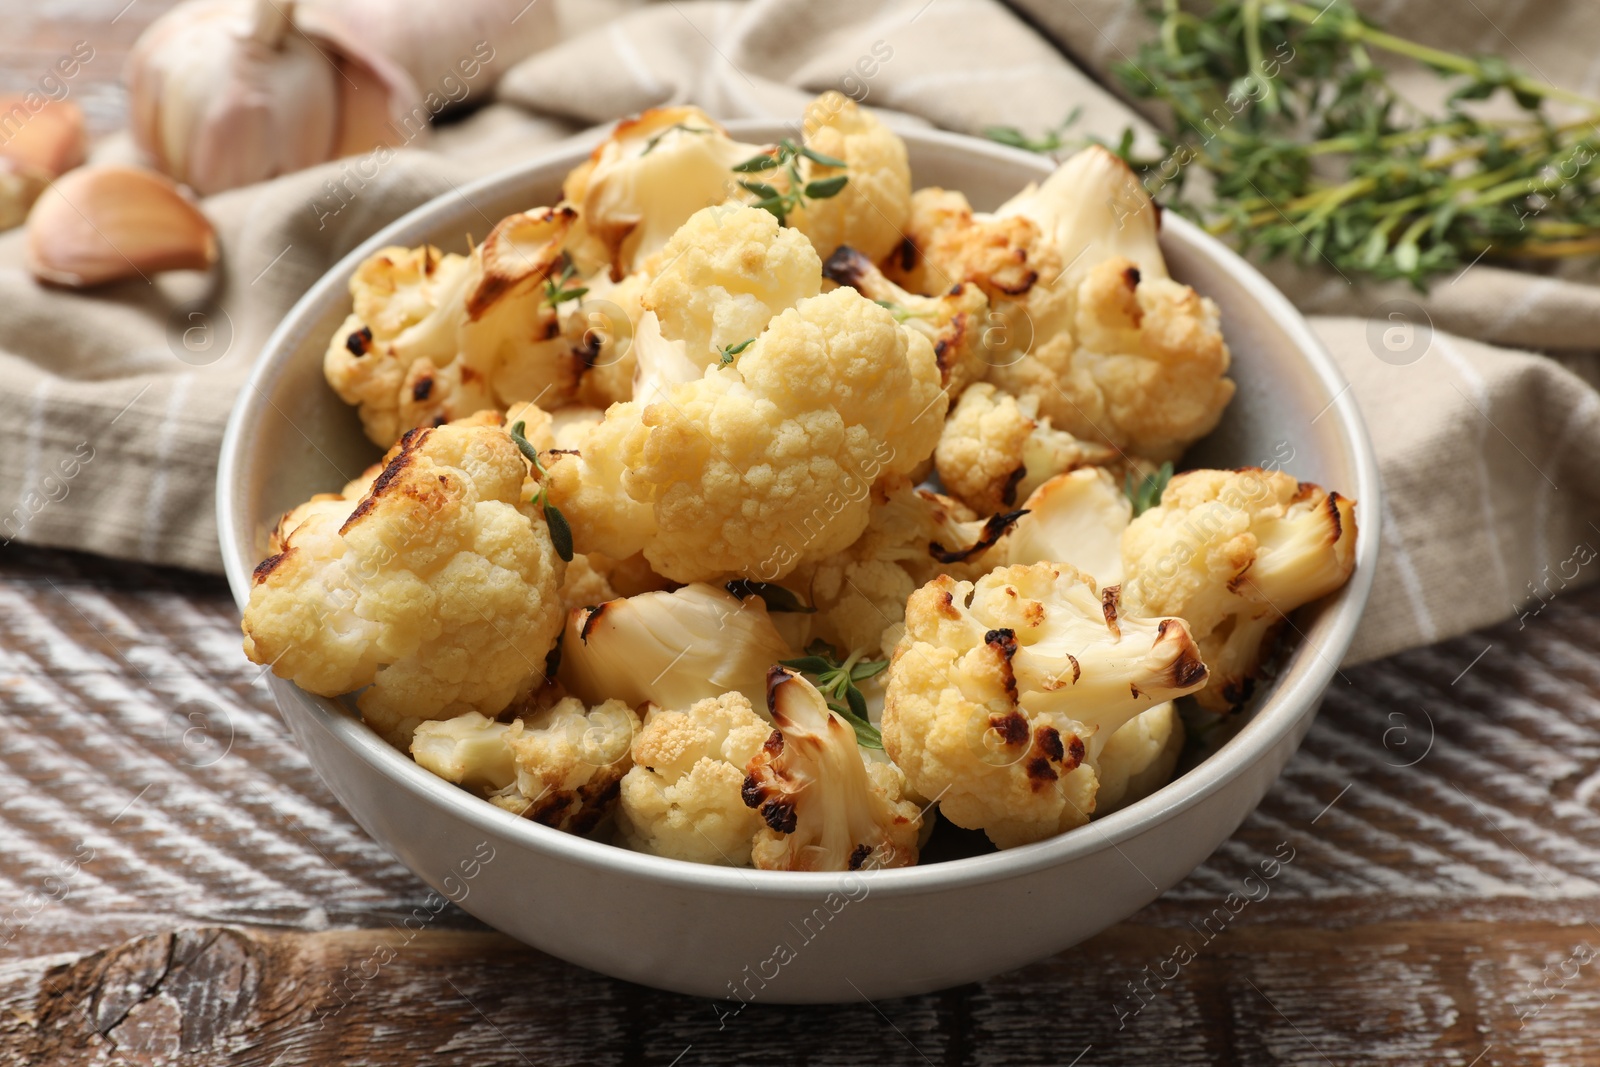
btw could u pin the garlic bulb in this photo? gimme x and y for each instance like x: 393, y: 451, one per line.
x: 101, y: 224
x: 228, y: 92
x: 453, y: 49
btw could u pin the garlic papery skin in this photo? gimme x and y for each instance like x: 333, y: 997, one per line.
x: 101, y: 224
x: 224, y: 93
x: 452, y: 49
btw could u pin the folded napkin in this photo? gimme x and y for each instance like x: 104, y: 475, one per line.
x: 114, y: 402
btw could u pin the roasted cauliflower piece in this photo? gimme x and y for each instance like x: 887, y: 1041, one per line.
x: 996, y: 450
x: 1003, y: 692
x: 671, y: 649
x: 953, y: 321
x: 437, y: 592
x: 435, y: 338
x: 870, y: 211
x: 594, y: 579
x: 726, y: 272
x: 1109, y: 346
x: 1139, y: 758
x: 946, y: 243
x: 763, y: 462
x: 644, y: 181
x: 560, y: 766
x: 1075, y: 518
x: 405, y: 302
x: 912, y: 535
x: 1142, y: 368
x: 826, y: 808
x: 468, y: 749
x: 683, y: 796
x: 1233, y: 552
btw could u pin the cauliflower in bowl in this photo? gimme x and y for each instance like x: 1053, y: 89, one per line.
x: 684, y: 796
x: 825, y: 805
x: 1234, y: 552
x: 765, y: 460
x: 436, y: 592
x: 561, y: 766
x: 1004, y: 691
x: 1108, y: 347
x: 828, y: 513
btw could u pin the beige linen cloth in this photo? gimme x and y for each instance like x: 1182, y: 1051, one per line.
x: 113, y: 404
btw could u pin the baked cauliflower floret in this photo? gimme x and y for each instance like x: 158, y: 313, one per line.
x: 570, y: 760
x: 560, y: 766
x: 600, y: 329
x: 434, y: 338
x: 683, y: 796
x: 403, y: 318
x: 947, y: 244
x: 671, y: 649
x: 1003, y: 692
x: 1139, y: 758
x: 1093, y: 329
x: 859, y: 598
x: 1233, y: 552
x: 594, y: 579
x: 468, y: 749
x: 763, y: 462
x: 953, y: 321
x: 996, y: 450
x: 825, y: 809
x: 644, y: 181
x: 724, y: 275
x: 1153, y: 355
x: 869, y: 213
x: 436, y: 592
x: 912, y: 535
x: 1093, y: 208
x: 1075, y: 518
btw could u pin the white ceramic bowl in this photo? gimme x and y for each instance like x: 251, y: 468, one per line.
x: 776, y: 936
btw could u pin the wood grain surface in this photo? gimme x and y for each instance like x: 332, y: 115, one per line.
x: 182, y: 889
x: 178, y: 887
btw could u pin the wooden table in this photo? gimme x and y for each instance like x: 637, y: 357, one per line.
x: 183, y: 889
x: 179, y: 887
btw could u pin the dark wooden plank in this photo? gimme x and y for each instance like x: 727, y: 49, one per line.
x: 1403, y: 993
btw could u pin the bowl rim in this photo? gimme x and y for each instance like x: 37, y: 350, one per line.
x: 1273, y: 721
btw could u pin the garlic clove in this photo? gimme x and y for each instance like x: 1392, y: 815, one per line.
x: 101, y: 224
x: 20, y: 186
x: 50, y: 139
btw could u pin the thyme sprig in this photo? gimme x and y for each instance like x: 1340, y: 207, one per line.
x: 560, y: 531
x: 556, y: 289
x: 786, y: 154
x: 1314, y: 156
x: 650, y: 145
x: 1145, y: 493
x: 730, y: 351
x: 836, y: 680
x: 1053, y: 139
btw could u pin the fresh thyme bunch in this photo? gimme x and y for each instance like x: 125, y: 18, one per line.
x: 1315, y: 156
